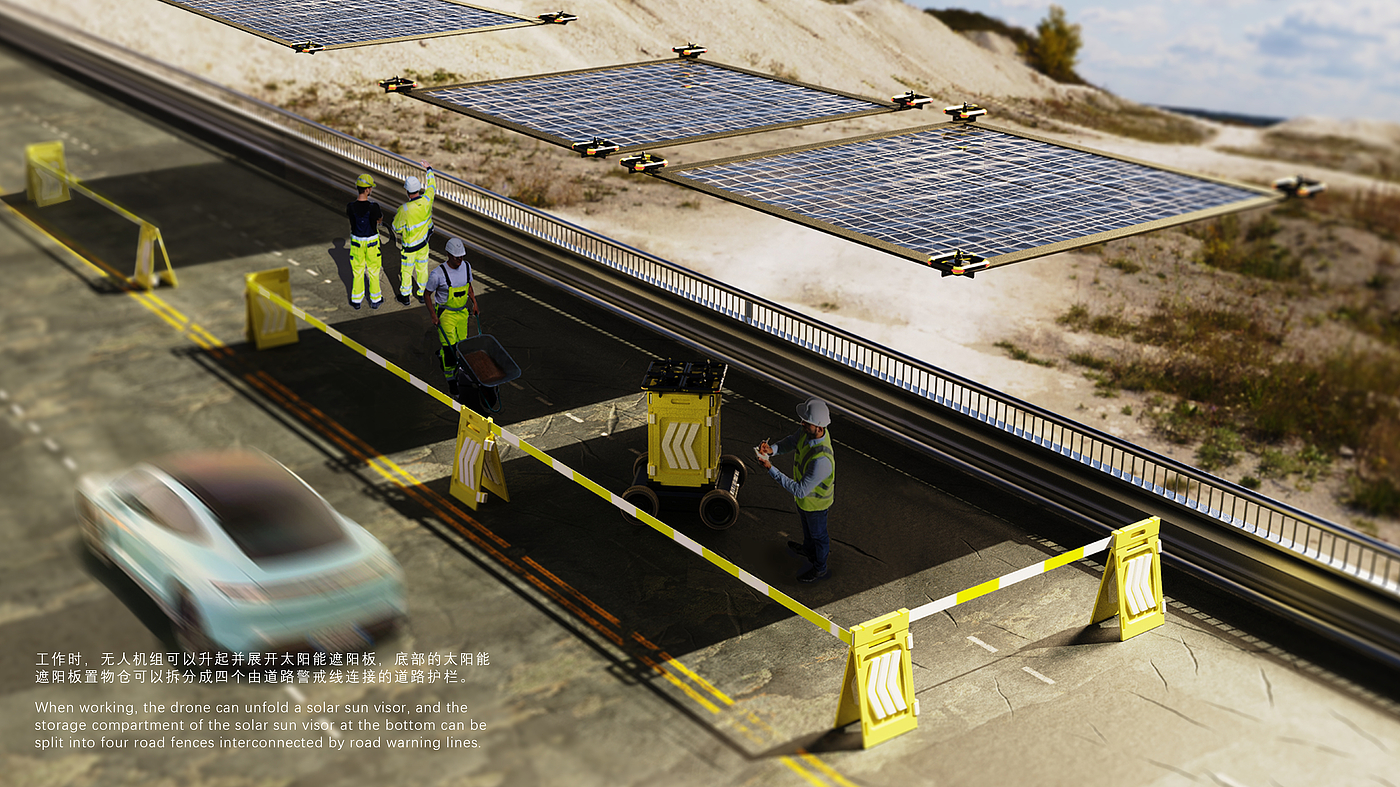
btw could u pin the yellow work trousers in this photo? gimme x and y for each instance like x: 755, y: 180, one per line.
x: 365, y: 262
x: 455, y: 327
x: 413, y: 263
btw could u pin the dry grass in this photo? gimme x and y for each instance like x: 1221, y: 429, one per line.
x: 1338, y: 153
x: 1251, y: 351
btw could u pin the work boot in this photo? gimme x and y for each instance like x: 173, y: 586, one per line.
x: 355, y: 305
x: 403, y: 299
x: 376, y: 304
x: 812, y: 575
x: 797, y: 549
x: 421, y: 299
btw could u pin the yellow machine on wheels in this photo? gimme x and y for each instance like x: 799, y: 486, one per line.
x: 683, y: 464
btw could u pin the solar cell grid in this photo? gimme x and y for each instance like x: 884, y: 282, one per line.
x: 978, y: 189
x: 645, y: 104
x: 339, y: 23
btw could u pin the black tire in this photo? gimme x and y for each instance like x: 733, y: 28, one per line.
x: 738, y: 464
x: 92, y: 531
x: 644, y: 498
x: 639, y: 464
x: 718, y: 509
x: 189, y: 630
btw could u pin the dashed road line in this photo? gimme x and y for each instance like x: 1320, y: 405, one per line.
x: 979, y: 642
x: 1035, y: 674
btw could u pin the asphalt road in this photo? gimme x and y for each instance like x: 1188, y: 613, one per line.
x: 600, y: 652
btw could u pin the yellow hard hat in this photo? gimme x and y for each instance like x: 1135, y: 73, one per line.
x: 364, y: 181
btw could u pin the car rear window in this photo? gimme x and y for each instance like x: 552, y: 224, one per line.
x: 264, y: 509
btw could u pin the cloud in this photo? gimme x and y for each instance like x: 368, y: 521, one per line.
x: 1358, y: 40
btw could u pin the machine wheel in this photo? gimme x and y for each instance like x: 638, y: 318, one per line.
x: 189, y: 631
x: 638, y: 465
x: 718, y: 509
x: 644, y: 498
x: 738, y: 464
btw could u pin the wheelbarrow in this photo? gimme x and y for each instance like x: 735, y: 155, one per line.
x: 482, y: 365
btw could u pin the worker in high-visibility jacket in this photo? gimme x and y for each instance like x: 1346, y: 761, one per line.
x: 813, y: 482
x: 451, y: 302
x: 365, y: 261
x: 413, y: 224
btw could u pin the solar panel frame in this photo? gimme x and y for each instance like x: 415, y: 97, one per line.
x: 877, y: 106
x: 1262, y: 196
x: 519, y: 21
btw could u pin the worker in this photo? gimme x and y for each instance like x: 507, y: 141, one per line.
x: 413, y: 224
x: 813, y: 482
x: 451, y: 303
x: 365, y: 217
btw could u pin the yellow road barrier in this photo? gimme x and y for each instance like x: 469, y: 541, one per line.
x: 815, y: 618
x: 878, y: 688
x: 49, y: 182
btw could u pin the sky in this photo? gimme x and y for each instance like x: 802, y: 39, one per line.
x: 1274, y: 58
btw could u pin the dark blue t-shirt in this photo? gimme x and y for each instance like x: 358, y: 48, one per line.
x: 364, y: 218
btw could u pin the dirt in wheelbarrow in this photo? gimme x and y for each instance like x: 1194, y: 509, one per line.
x: 485, y: 370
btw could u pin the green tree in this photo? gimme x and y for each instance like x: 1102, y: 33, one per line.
x: 1056, y: 47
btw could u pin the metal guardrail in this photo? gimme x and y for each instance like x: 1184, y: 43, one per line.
x: 1337, y: 548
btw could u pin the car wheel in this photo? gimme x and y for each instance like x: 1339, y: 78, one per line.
x: 189, y: 627
x: 92, y: 532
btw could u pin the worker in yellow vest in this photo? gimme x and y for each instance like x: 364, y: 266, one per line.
x: 413, y: 224
x: 365, y: 262
x: 813, y: 482
x: 451, y: 303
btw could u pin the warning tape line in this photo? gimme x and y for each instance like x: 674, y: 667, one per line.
x: 446, y: 510
x: 977, y: 591
x: 815, y: 618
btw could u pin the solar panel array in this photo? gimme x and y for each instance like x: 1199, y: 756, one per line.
x: 340, y: 23
x: 959, y: 186
x: 642, y: 104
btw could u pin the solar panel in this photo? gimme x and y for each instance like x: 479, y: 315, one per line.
x: 989, y: 192
x: 645, y: 104
x: 337, y: 24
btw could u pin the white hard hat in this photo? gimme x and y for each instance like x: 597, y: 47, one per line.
x: 456, y: 247
x: 815, y: 412
x: 412, y: 185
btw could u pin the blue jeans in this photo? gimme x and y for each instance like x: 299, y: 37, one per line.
x: 815, y: 541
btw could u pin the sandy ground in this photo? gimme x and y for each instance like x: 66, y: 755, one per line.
x: 871, y: 47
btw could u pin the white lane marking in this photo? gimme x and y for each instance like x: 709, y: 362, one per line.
x: 33, y: 427
x: 295, y: 695
x: 1032, y: 672
x: 50, y: 444
x: 575, y: 418
x: 977, y: 641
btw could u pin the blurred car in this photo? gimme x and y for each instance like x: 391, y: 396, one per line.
x: 242, y: 555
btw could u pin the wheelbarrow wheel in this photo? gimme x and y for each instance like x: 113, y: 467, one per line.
x: 718, y: 509
x: 644, y: 498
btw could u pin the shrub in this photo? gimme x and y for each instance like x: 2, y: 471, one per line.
x: 1056, y: 47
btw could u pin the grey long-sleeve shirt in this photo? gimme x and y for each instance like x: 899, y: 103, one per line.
x: 817, y: 473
